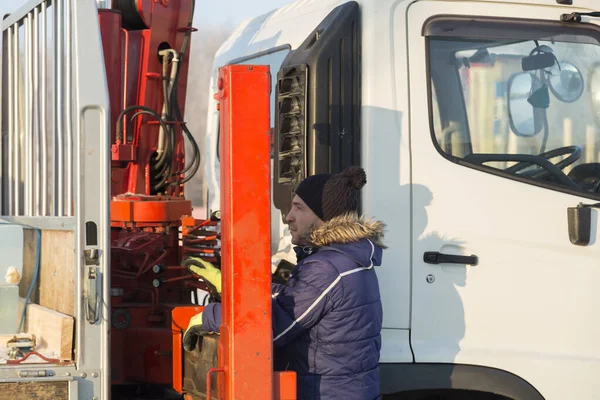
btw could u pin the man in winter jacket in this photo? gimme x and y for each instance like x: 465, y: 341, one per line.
x: 327, y: 318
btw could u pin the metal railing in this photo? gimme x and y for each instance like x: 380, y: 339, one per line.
x: 36, y: 164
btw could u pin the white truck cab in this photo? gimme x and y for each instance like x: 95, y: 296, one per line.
x: 477, y: 123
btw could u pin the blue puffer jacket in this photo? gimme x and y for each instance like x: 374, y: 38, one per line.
x: 327, y: 318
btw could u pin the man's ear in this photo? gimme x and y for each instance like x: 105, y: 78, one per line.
x: 318, y: 223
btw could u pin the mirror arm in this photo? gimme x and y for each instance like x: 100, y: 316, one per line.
x: 576, y: 16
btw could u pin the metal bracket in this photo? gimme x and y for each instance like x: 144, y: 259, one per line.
x: 208, y: 383
x: 92, y: 257
x: 92, y: 300
x: 576, y: 16
x: 34, y: 353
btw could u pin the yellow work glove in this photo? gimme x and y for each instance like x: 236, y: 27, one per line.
x: 210, y: 274
x: 193, y: 331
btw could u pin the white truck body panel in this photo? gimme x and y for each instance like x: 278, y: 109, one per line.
x: 525, y: 307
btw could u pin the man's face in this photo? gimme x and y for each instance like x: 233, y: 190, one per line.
x: 302, y: 220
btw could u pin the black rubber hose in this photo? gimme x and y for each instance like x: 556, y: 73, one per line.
x: 168, y: 153
x: 195, y: 164
x: 165, y: 169
x: 119, y: 129
x: 178, y: 117
x: 196, y: 161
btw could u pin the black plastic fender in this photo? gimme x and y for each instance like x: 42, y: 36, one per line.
x: 399, y: 377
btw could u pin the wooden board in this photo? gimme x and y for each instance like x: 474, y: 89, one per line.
x: 57, y: 275
x: 6, y: 338
x: 53, y: 330
x: 34, y: 390
x: 56, y: 280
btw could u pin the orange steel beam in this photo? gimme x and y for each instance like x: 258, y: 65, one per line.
x: 246, y: 345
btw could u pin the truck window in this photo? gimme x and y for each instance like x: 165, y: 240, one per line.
x: 523, y: 108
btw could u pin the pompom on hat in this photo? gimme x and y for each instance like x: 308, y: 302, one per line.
x: 329, y: 196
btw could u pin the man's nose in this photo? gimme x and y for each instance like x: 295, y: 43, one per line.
x: 289, y: 218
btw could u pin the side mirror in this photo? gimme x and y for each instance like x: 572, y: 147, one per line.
x: 566, y: 82
x: 524, y: 92
x: 582, y: 227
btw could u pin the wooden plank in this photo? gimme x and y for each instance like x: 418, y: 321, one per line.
x: 6, y: 338
x: 53, y: 330
x: 57, y: 275
x: 29, y: 255
x: 55, y: 288
x: 34, y: 390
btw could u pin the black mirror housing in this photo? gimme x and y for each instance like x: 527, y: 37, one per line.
x: 538, y: 61
x: 580, y: 224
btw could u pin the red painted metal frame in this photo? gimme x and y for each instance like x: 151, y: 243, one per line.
x: 284, y: 385
x: 134, y: 77
x: 133, y: 71
x: 149, y: 209
x: 246, y: 345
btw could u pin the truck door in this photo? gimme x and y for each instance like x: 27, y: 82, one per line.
x: 54, y: 181
x: 504, y: 139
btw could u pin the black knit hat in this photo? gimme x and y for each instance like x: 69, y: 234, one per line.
x: 331, y: 195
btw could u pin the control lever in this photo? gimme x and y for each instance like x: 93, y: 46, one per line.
x: 434, y: 257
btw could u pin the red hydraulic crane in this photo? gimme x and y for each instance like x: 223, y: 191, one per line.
x: 146, y: 46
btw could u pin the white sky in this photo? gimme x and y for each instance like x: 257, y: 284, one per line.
x: 208, y: 12
x: 211, y: 12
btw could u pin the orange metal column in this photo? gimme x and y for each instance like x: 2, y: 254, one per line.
x: 246, y: 333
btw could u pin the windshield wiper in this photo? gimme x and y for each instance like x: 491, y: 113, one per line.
x: 576, y: 16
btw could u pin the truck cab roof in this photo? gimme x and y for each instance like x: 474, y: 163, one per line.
x: 291, y: 24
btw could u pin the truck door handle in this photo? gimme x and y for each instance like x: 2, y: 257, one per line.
x: 434, y: 257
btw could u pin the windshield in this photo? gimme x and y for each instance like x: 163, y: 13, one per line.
x: 524, y: 107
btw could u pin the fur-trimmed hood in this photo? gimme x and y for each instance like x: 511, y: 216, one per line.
x: 348, y: 228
